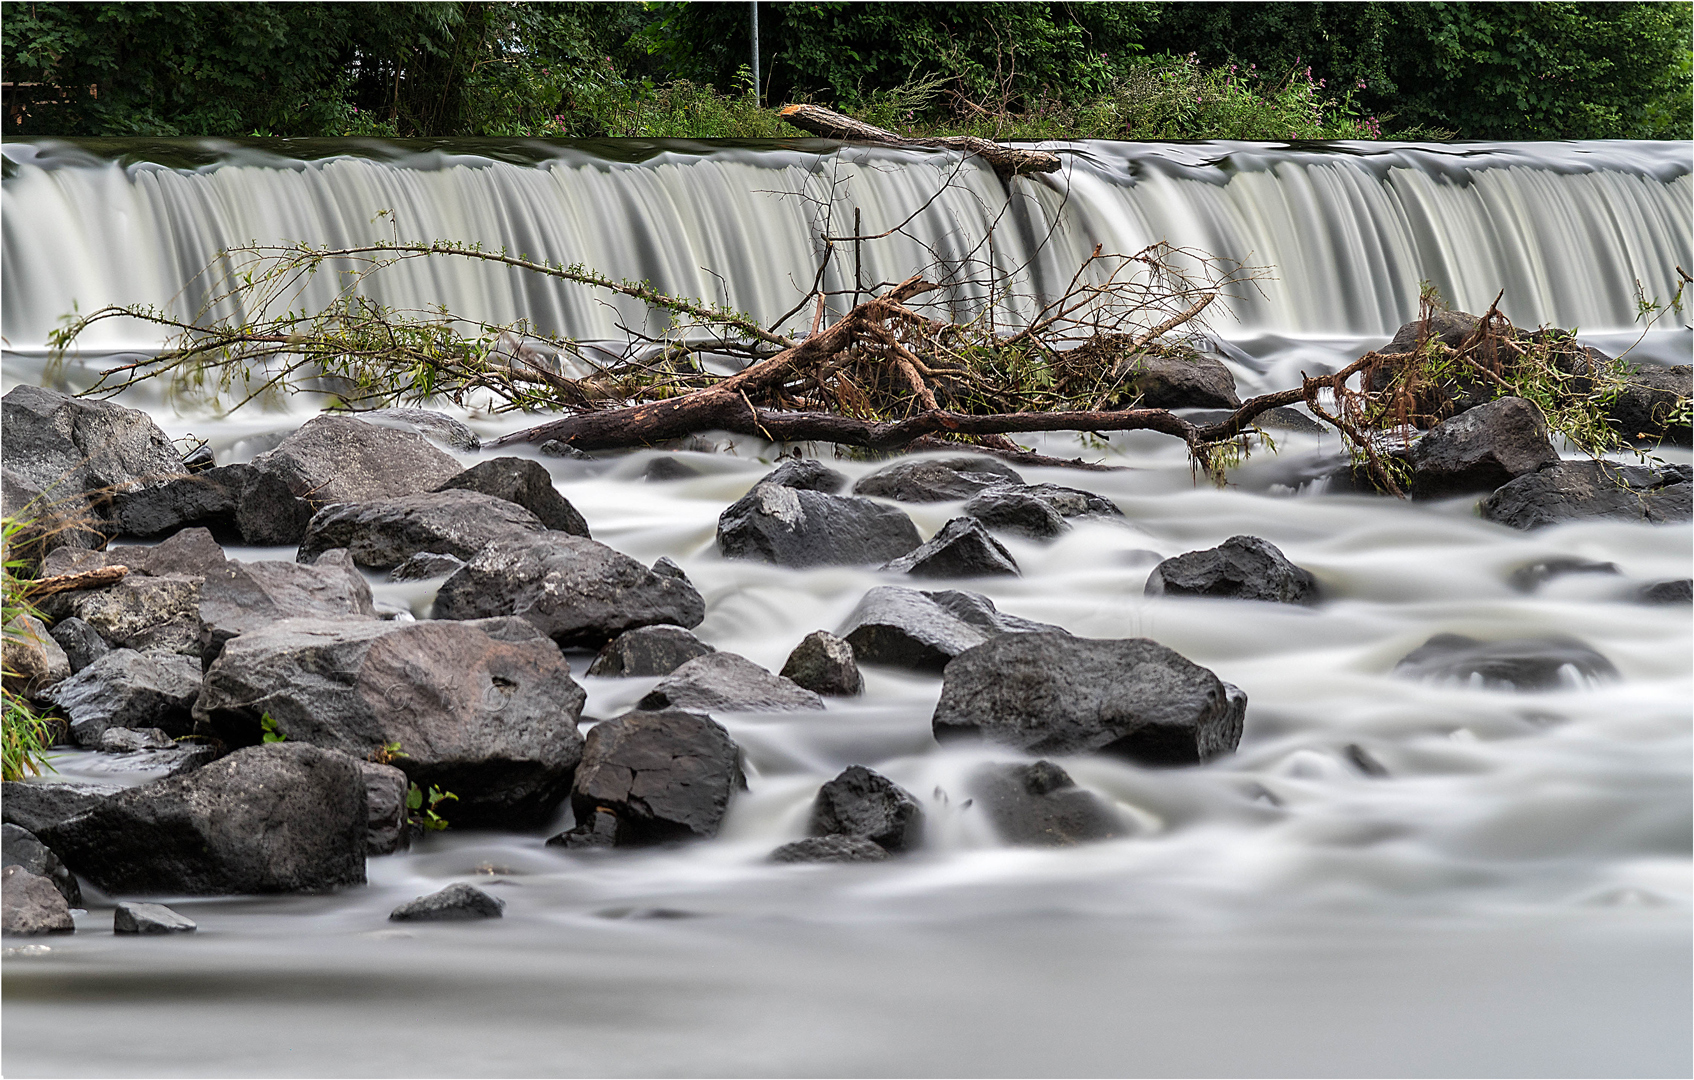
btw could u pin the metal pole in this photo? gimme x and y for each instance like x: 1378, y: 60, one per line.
x: 758, y: 90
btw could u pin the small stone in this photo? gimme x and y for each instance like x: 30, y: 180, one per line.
x: 1678, y: 591
x: 599, y: 830
x: 133, y: 918
x: 455, y: 902
x: 646, y: 651
x: 385, y: 808
x: 131, y: 740
x: 665, y: 566
x: 824, y: 664
x: 830, y: 849
x: 1241, y: 568
x: 558, y: 448
x: 963, y: 548
x: 30, y: 904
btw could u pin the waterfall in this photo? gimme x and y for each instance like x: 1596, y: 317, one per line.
x: 1571, y: 232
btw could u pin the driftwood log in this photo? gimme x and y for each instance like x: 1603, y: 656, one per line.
x: 1008, y: 161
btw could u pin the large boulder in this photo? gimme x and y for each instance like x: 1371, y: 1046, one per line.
x: 284, y: 817
x: 1480, y: 449
x: 866, y: 804
x: 437, y: 427
x: 963, y: 548
x: 484, y: 709
x: 74, y: 446
x: 526, y: 483
x: 1646, y: 409
x: 1242, y: 568
x: 1451, y: 328
x: 1522, y: 664
x: 38, y: 804
x: 34, y: 660
x: 1588, y: 490
x: 383, y: 533
x: 799, y: 527
x: 824, y: 664
x: 1180, y: 379
x: 660, y: 776
x: 240, y: 504
x: 1057, y: 694
x: 1039, y: 805
x: 1039, y: 511
x: 924, y: 630
x: 646, y: 651
x: 726, y: 681
x: 337, y: 459
x: 129, y: 689
x: 936, y: 479
x: 19, y: 847
x: 29, y: 904
x: 580, y: 593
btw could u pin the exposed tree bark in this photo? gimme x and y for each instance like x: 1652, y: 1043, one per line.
x: 82, y: 579
x: 1008, y: 161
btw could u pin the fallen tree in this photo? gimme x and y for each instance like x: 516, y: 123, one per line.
x: 1008, y: 161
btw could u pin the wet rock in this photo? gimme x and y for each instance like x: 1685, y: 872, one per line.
x: 238, y: 503
x: 862, y: 803
x: 962, y: 548
x: 665, y: 566
x: 526, y: 483
x: 1588, y: 490
x: 806, y: 474
x: 665, y: 775
x: 1277, y: 419
x: 133, y: 918
x: 34, y: 806
x: 81, y: 644
x: 1679, y: 591
x: 1242, y: 568
x: 385, y: 806
x: 1451, y: 328
x: 924, y: 630
x: 648, y: 650
x: 139, y: 612
x: 435, y: 426
x: 45, y: 522
x: 559, y: 448
x: 1522, y: 664
x: 336, y: 459
x: 824, y: 664
x: 425, y: 565
x: 1481, y: 449
x: 1057, y: 694
x: 1644, y: 409
x: 1039, y: 805
x: 383, y: 533
x: 1035, y: 510
x: 30, y: 905
x: 1531, y: 577
x: 19, y: 847
x: 34, y: 660
x: 936, y: 479
x: 485, y: 709
x: 75, y: 446
x: 1181, y: 379
x: 598, y: 831
x: 453, y: 903
x: 830, y: 849
x: 580, y: 593
x: 120, y: 740
x: 129, y: 689
x: 801, y: 528
x: 665, y: 469
x: 284, y: 817
x: 725, y: 681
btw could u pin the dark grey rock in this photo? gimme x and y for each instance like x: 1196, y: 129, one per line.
x: 238, y: 503
x: 807, y: 474
x: 580, y: 593
x: 1039, y: 805
x: 558, y: 448
x: 36, y: 805
x: 526, y: 483
x: 1644, y: 410
x: 1536, y: 574
x: 284, y: 817
x: 337, y: 459
x: 1481, y: 449
x: 963, y: 548
x: 801, y: 528
x: 425, y: 565
x: 34, y: 661
x: 139, y: 612
x: 824, y: 664
x: 81, y: 643
x: 1588, y: 490
x: 1242, y: 568
x: 19, y: 847
x: 30, y: 905
x: 1451, y: 328
x: 484, y: 709
x: 1678, y: 591
x: 385, y: 805
x: 200, y: 459
x: 1522, y: 664
x: 866, y: 804
x: 936, y: 479
x: 70, y: 446
x: 120, y: 740
x: 1014, y: 509
x: 648, y: 650
x: 1277, y: 419
x: 666, y: 468
x: 129, y: 689
x: 455, y: 902
x: 830, y: 849
x: 46, y: 521
x: 726, y: 681
x: 1181, y: 379
x: 435, y: 426
x: 665, y: 775
x: 383, y: 533
x: 665, y: 566
x: 1057, y: 694
x: 599, y: 830
x: 134, y: 918
x: 924, y: 630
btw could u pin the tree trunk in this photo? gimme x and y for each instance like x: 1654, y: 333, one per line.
x: 1008, y: 161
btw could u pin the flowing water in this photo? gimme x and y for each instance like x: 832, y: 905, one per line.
x: 1511, y: 898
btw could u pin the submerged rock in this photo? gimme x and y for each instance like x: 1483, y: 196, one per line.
x: 924, y: 630
x: 862, y: 803
x: 30, y: 905
x: 1241, y: 568
x: 1531, y: 577
x: 133, y: 918
x: 1677, y: 591
x: 455, y: 902
x: 1585, y: 490
x: 962, y: 548
x: 1040, y: 805
x: 129, y: 689
x: 1481, y: 449
x: 801, y: 528
x: 936, y: 479
x: 1523, y: 664
x: 663, y: 776
x: 725, y: 681
x: 19, y: 847
x: 830, y: 849
x: 337, y: 459
x: 526, y: 483
x: 648, y: 650
x: 824, y: 664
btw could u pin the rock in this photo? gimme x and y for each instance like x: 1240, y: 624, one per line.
x: 664, y: 469
x: 962, y: 548
x: 1480, y: 449
x: 484, y: 709
x: 1587, y: 490
x: 238, y: 503
x: 1057, y: 694
x: 43, y: 522
x: 75, y: 446
x: 598, y: 831
x: 425, y: 565
x: 1522, y: 664
x: 435, y: 426
x: 81, y: 644
x: 284, y: 817
x: 580, y: 593
x: 1678, y: 591
x: 120, y: 740
x: 559, y: 448
x: 824, y: 664
x: 806, y: 474
x: 336, y: 459
x: 34, y: 806
x: 861, y: 803
x: 34, y: 660
x: 936, y: 479
x: 830, y: 849
x: 648, y: 650
x: 129, y: 689
x: 385, y: 805
x: 133, y: 918
x: 1648, y: 402
x: 455, y: 902
x: 924, y: 630
x: 139, y: 612
x: 665, y: 566
x: 383, y: 533
x: 1451, y: 328
x: 725, y: 681
x: 1039, y: 805
x: 1242, y: 568
x: 1529, y: 578
x: 1035, y: 510
x: 19, y: 847
x: 1277, y: 419
x: 665, y: 775
x: 526, y: 483
x: 801, y: 528
x: 1181, y: 379
x: 29, y: 904
x: 200, y: 459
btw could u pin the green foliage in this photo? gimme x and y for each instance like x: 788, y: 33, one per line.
x: 268, y: 726
x: 24, y: 734
x: 422, y: 808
